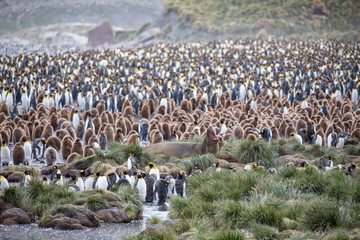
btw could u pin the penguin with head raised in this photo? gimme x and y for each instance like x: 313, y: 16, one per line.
x: 3, y: 183
x: 161, y: 191
x: 26, y: 178
x: 131, y: 161
x: 80, y: 180
x: 222, y: 128
x: 154, y: 170
x: 141, y: 185
x: 180, y: 184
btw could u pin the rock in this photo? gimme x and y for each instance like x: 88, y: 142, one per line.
x: 153, y: 228
x: 226, y: 156
x: 223, y: 163
x: 15, y: 177
x: 4, y: 206
x: 101, y: 35
x: 113, y: 215
x: 147, y: 36
x: 15, y: 216
x: 86, y: 217
x: 66, y: 223
x: 187, y: 236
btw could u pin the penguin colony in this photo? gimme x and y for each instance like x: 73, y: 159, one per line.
x: 74, y: 103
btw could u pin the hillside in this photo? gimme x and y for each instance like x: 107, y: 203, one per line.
x: 333, y: 19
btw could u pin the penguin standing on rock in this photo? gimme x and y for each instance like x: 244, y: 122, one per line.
x: 161, y: 191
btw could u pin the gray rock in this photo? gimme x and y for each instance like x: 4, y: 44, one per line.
x: 66, y: 223
x: 153, y: 228
x: 101, y: 35
x: 113, y: 215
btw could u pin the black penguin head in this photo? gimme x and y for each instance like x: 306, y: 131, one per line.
x: 216, y: 164
x: 97, y: 174
x: 72, y: 178
x: 82, y: 173
x: 196, y: 166
x: 151, y: 165
x: 27, y: 172
x: 328, y: 158
x: 45, y: 179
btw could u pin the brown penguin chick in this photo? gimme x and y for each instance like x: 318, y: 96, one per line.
x: 54, y: 142
x: 323, y: 124
x: 38, y: 131
x: 17, y: 134
x: 101, y: 107
x: 77, y: 147
x: 18, y: 154
x: 104, y: 118
x: 93, y: 139
x: 64, y: 113
x: 72, y: 157
x: 52, y: 110
x: 5, y: 136
x: 79, y: 131
x: 94, y: 112
x: 251, y: 137
x: 152, y: 106
x: 110, y: 117
x: 50, y: 156
x: 128, y: 112
x: 71, y: 131
x: 145, y: 110
x: 2, y: 117
x: 157, y: 137
x: 119, y: 137
x: 66, y: 146
x: 133, y: 139
x: 88, y: 151
x: 128, y: 124
x: 238, y: 132
x: 47, y: 132
x: 61, y: 134
x: 161, y: 110
x: 184, y: 105
x: 185, y: 136
x: 24, y: 139
x: 348, y: 116
x: 120, y: 123
x: 31, y: 127
x: 135, y: 127
x: 289, y: 130
x: 97, y: 124
x: 54, y: 120
x: 274, y: 132
x: 109, y: 133
x: 4, y: 108
x: 300, y: 124
x: 88, y: 134
x: 126, y: 104
x: 102, y: 140
x: 40, y: 98
x: 356, y: 133
x: 166, y: 131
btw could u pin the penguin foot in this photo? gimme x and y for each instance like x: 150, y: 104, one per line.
x: 26, y: 163
x: 42, y: 161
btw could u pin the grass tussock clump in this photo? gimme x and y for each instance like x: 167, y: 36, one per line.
x: 14, y: 196
x: 322, y: 215
x: 204, y: 161
x: 255, y: 151
x: 96, y: 203
x: 228, y: 234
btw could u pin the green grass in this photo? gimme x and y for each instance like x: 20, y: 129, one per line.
x: 255, y: 151
x: 14, y: 196
x: 96, y: 203
x: 333, y: 19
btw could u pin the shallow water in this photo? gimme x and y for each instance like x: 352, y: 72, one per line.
x: 107, y: 231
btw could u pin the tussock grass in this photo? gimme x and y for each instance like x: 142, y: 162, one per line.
x: 321, y: 215
x: 255, y: 151
x: 96, y: 203
x: 263, y: 232
x: 130, y: 195
x: 352, y: 150
x: 154, y: 220
x: 204, y: 162
x: 14, y: 196
x: 228, y: 234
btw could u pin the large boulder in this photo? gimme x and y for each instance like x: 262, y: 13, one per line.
x: 101, y: 35
x: 113, y: 215
x: 15, y: 216
x: 153, y: 228
x: 86, y: 217
x: 65, y: 223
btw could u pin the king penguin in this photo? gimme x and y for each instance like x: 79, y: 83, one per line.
x: 3, y: 182
x: 141, y: 185
x: 131, y: 161
x: 5, y: 155
x: 161, y: 191
x: 154, y: 170
x: 180, y: 184
x: 28, y: 150
x: 26, y: 178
